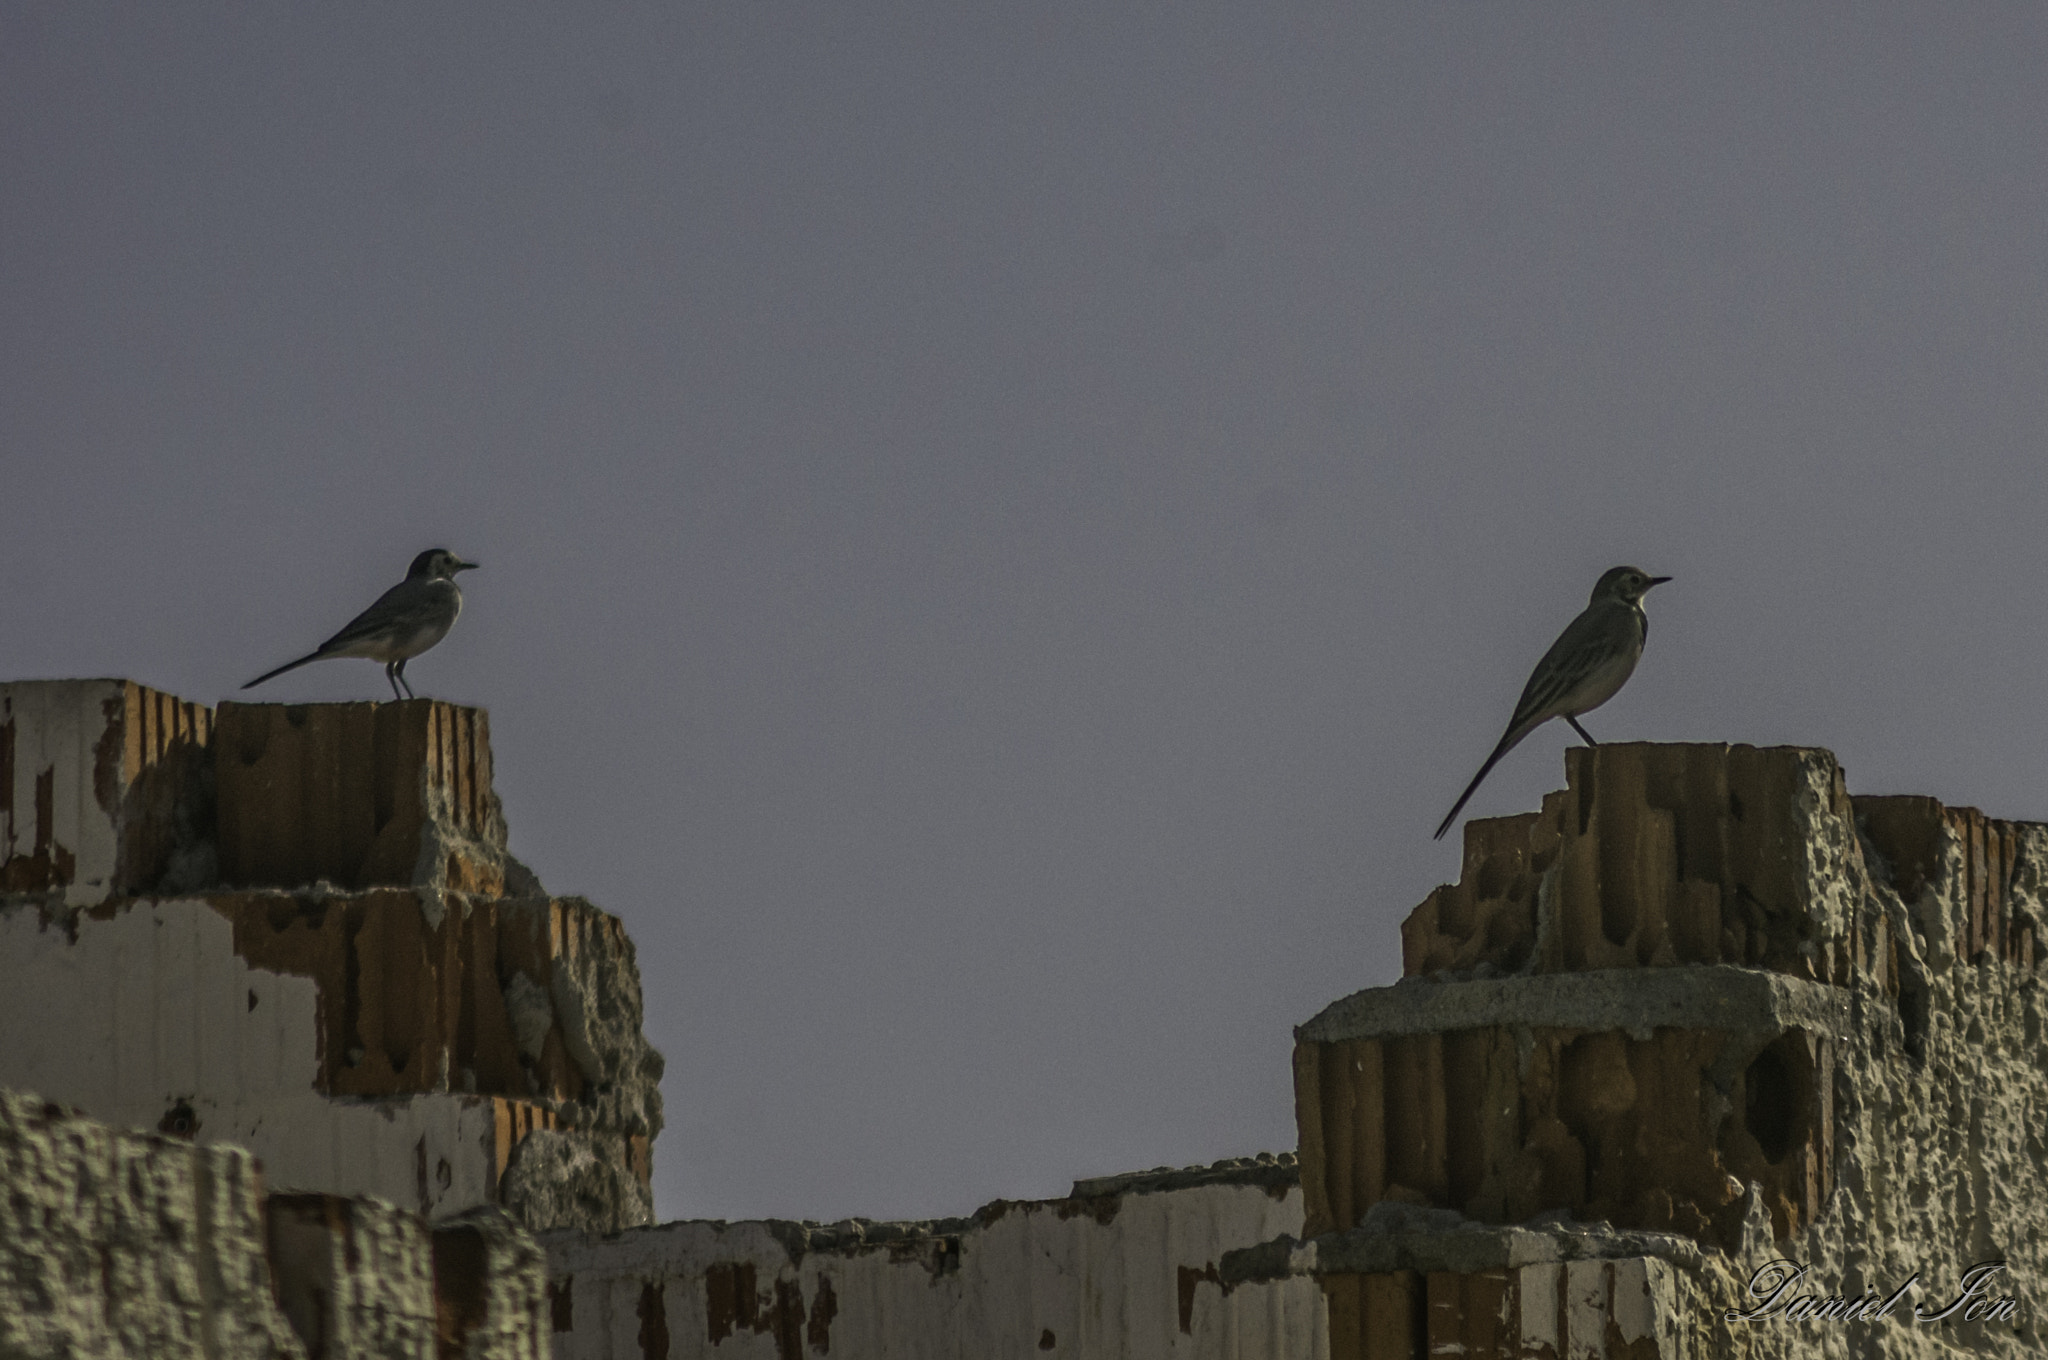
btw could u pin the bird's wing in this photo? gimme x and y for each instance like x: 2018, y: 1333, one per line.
x: 1589, y: 642
x: 1588, y: 647
x: 405, y: 607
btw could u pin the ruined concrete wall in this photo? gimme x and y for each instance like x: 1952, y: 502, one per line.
x: 1128, y: 1268
x: 117, y: 1243
x: 384, y: 1003
x: 1707, y: 997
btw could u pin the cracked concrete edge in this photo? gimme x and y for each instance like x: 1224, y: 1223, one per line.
x: 1096, y: 1197
x: 1638, y: 1000
x: 1265, y: 1170
x: 1414, y: 1237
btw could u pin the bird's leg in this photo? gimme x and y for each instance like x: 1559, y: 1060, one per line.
x: 391, y: 674
x: 400, y: 672
x: 1580, y: 730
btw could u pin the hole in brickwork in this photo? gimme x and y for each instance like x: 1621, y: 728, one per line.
x: 1617, y: 913
x: 1913, y: 1018
x: 1777, y: 1089
x: 179, y: 1121
x: 561, y: 1304
x: 653, y: 1312
x: 1768, y: 1113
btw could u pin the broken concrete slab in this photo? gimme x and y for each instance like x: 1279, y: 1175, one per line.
x: 1636, y: 1000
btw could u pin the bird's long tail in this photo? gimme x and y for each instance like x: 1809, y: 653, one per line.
x: 287, y: 666
x: 1507, y: 744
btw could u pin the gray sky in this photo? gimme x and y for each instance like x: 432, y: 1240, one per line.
x: 1003, y: 531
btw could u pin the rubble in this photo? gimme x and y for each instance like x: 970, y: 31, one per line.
x: 570, y: 1179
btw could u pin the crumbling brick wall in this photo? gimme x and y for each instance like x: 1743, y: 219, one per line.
x: 1714, y: 1005
x: 299, y: 927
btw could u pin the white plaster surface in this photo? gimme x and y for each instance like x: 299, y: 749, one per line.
x: 58, y: 725
x: 1101, y: 1288
x: 151, y: 1006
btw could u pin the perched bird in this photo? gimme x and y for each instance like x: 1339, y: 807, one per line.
x: 406, y: 620
x: 1589, y: 662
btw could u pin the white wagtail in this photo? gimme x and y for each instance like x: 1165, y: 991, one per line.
x: 406, y: 620
x: 1591, y: 660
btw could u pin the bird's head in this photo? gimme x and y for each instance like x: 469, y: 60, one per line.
x: 437, y: 564
x: 1625, y: 585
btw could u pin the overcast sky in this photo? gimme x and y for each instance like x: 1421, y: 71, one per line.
x: 1005, y: 527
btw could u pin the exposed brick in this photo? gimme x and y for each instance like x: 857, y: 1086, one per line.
x: 1598, y: 1123
x: 1656, y: 854
x: 352, y: 794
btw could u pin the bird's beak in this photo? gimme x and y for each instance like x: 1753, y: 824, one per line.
x: 1657, y: 581
x: 465, y: 566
